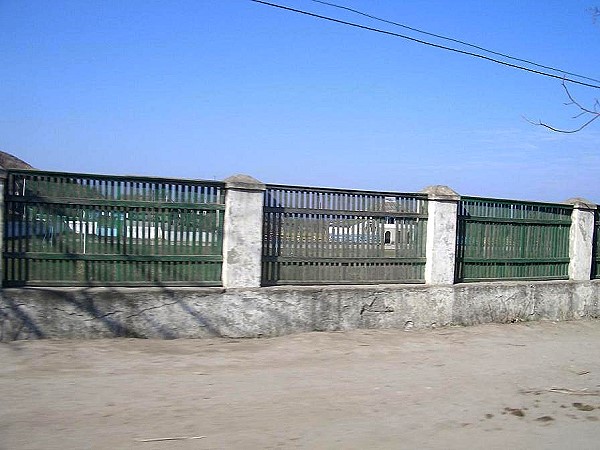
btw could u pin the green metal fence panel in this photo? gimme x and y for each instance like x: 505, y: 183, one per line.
x: 332, y: 236
x: 506, y: 239
x: 83, y: 229
x: 596, y: 247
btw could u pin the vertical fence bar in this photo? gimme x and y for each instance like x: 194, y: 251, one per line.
x: 4, y: 216
x: 596, y: 247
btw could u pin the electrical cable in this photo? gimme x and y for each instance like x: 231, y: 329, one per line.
x: 431, y: 44
x: 458, y: 41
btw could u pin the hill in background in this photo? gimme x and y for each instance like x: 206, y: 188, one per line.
x: 8, y: 161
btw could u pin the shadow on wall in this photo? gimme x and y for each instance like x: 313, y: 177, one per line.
x: 37, y: 313
x: 91, y: 311
x: 16, y: 322
x: 170, y: 313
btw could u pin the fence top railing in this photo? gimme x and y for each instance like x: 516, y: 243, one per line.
x: 333, y: 201
x: 494, y: 209
x: 49, y: 186
x: 515, y: 202
x: 345, y: 191
x: 124, y: 178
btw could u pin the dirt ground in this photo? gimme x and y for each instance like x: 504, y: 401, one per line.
x: 533, y: 385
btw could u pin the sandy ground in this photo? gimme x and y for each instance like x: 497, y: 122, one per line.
x: 534, y: 385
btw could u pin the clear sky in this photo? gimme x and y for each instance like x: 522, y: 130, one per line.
x: 211, y: 88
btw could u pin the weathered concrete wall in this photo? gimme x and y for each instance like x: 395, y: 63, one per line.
x: 168, y: 313
x: 513, y: 302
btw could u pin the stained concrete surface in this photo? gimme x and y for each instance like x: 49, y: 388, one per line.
x: 170, y: 313
x: 523, y: 386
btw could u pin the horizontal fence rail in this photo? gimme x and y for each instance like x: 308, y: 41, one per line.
x: 82, y: 229
x: 332, y: 236
x: 506, y: 239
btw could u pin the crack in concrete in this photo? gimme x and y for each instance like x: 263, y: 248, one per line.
x: 112, y: 313
x: 376, y: 306
x: 103, y: 316
x: 69, y: 313
x: 151, y: 308
x: 506, y: 314
x: 20, y: 305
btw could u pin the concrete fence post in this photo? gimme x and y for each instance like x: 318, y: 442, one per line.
x: 441, y: 234
x: 581, y: 239
x: 242, y: 232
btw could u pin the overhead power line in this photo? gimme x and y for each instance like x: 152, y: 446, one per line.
x: 458, y: 41
x: 431, y: 44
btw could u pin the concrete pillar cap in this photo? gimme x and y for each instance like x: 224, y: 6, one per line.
x: 441, y: 192
x: 244, y: 182
x: 581, y: 203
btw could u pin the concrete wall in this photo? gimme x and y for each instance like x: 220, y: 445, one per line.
x: 168, y: 313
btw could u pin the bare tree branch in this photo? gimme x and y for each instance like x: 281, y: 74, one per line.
x: 583, y: 111
x: 558, y: 130
x: 574, y: 102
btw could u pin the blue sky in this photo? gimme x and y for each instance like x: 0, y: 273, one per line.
x: 211, y: 88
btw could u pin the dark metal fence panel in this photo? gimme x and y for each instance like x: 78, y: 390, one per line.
x: 81, y: 229
x: 331, y: 236
x: 506, y: 239
x: 596, y: 247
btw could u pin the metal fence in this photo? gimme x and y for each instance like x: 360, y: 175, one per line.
x: 81, y: 229
x: 596, y: 247
x: 331, y: 236
x: 506, y: 239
